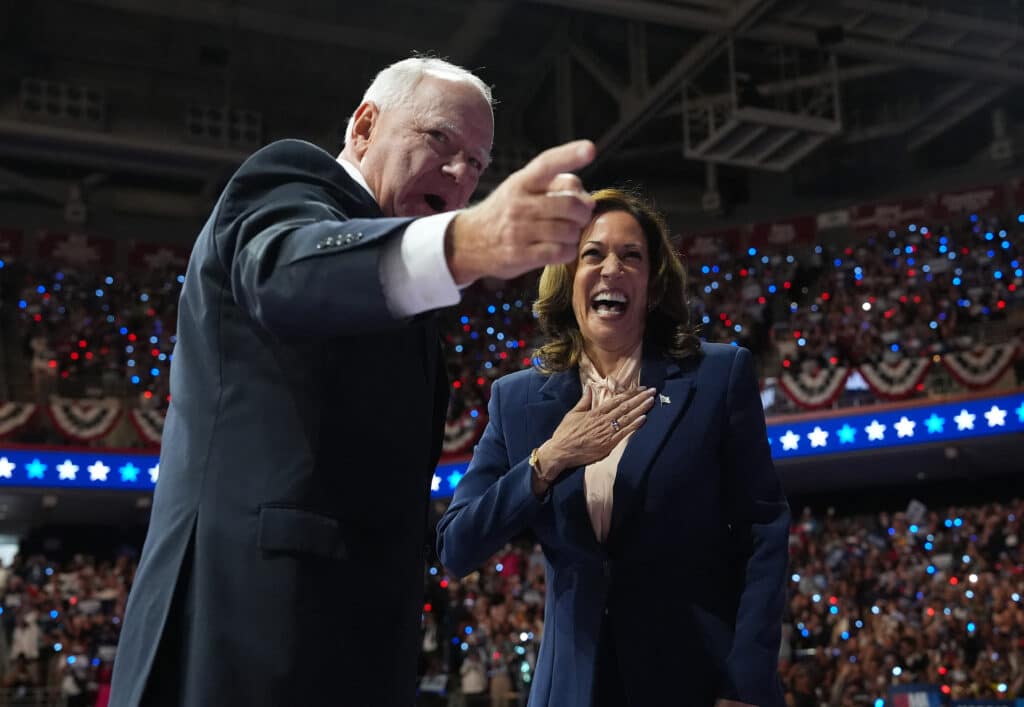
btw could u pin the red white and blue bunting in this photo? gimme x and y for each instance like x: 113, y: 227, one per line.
x: 149, y: 424
x: 461, y: 433
x: 84, y: 421
x: 893, y: 381
x: 815, y: 390
x: 982, y: 367
x: 976, y: 369
x: 14, y: 416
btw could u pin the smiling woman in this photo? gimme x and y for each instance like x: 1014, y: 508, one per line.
x: 625, y: 256
x: 611, y: 484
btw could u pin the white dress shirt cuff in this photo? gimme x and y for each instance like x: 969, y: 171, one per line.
x: 413, y: 269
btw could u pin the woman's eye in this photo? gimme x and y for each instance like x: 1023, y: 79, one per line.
x: 438, y: 135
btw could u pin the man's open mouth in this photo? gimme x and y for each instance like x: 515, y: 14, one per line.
x: 435, y: 202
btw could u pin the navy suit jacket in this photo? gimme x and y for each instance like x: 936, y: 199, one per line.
x: 692, y: 577
x: 285, y: 554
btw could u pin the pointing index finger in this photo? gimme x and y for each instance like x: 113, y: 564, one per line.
x: 543, y: 168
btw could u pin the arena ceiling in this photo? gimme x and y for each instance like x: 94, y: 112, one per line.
x: 148, y: 106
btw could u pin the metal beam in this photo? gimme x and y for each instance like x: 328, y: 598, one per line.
x: 698, y: 56
x: 743, y: 142
x: 950, y: 20
x: 282, y: 24
x: 861, y: 71
x: 712, y: 4
x: 773, y: 88
x: 899, y: 31
x: 646, y: 11
x: 951, y: 96
x: 960, y: 110
x: 637, y: 40
x: 533, y: 74
x: 999, y: 49
x: 563, y: 97
x: 599, y: 71
x: 810, y: 145
x: 112, y: 153
x: 774, y: 146
x: 480, y: 24
x: 34, y: 187
x: 647, y: 152
x: 906, y: 31
x: 803, y: 122
x: 878, y: 51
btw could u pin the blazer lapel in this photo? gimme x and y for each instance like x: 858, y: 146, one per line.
x: 675, y: 389
x: 559, y: 393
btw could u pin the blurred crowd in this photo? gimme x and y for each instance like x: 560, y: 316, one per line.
x: 60, y: 626
x: 919, y: 596
x: 907, y: 292
x: 923, y: 596
x: 93, y: 334
x: 862, y: 298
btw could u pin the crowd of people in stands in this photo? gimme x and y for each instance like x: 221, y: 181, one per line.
x: 89, y: 333
x: 909, y: 291
x: 919, y: 596
x: 60, y: 625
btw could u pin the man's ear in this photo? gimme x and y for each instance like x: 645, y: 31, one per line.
x: 363, y: 123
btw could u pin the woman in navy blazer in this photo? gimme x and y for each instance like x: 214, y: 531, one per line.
x: 662, y: 520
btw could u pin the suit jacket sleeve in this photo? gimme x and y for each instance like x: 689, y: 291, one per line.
x: 493, y: 502
x: 759, y: 515
x: 302, y: 257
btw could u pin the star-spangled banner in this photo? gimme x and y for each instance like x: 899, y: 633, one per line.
x: 809, y: 435
x: 57, y: 469
x: 879, y: 428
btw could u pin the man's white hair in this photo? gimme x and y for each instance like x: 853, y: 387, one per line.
x: 396, y: 84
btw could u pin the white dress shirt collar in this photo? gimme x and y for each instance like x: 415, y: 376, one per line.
x: 357, y: 176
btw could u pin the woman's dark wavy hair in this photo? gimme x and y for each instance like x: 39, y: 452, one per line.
x: 668, y: 319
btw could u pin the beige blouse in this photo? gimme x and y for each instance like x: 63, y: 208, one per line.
x: 599, y: 477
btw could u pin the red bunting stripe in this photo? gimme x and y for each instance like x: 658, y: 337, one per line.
x: 982, y: 367
x: 149, y: 424
x: 460, y: 434
x: 813, y: 391
x: 84, y: 421
x: 14, y: 416
x: 894, y: 381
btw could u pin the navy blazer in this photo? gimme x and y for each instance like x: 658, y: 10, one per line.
x: 692, y: 576
x: 285, y: 554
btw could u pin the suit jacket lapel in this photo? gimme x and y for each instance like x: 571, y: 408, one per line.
x: 674, y: 384
x: 558, y: 394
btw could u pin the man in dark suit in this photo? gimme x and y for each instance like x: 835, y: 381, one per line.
x: 284, y: 559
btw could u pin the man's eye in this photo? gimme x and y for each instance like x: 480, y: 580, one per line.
x: 439, y: 136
